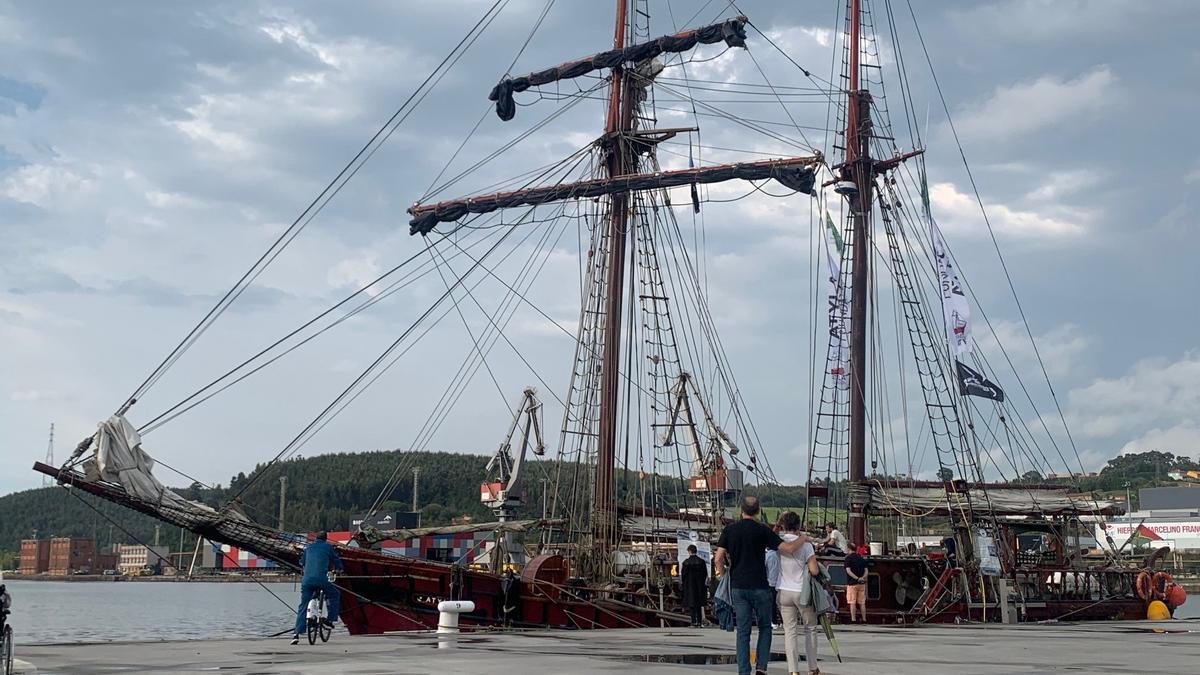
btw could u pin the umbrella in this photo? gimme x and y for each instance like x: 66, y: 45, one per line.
x: 828, y: 627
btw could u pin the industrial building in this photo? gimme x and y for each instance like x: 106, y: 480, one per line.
x: 71, y: 555
x: 1169, y: 516
x: 134, y: 558
x: 35, y: 556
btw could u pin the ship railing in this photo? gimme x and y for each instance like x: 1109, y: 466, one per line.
x: 1046, y: 583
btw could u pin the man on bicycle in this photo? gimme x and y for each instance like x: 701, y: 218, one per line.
x: 317, y: 559
x: 5, y: 603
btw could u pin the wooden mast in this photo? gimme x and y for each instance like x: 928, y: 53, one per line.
x: 858, y: 169
x: 618, y: 122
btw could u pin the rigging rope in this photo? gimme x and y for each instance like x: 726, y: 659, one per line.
x: 315, y: 207
x: 995, y: 244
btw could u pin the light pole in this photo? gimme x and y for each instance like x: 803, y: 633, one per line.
x: 1128, y: 504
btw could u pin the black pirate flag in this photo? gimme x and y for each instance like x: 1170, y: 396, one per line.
x: 972, y: 383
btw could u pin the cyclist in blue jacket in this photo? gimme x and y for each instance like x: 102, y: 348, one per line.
x: 317, y: 559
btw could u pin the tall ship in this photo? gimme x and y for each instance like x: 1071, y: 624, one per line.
x: 910, y: 433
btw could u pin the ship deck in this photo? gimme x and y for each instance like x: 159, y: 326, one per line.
x: 1117, y: 647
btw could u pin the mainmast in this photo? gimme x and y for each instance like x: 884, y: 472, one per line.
x: 618, y: 122
x: 858, y: 169
x: 632, y: 68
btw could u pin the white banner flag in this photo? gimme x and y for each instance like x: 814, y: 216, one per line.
x: 837, y: 296
x: 954, y: 304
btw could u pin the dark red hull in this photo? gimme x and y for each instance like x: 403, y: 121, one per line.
x: 383, y: 593
x: 1038, y: 593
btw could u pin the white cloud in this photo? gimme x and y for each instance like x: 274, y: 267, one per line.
x: 1059, y: 184
x: 1154, y: 394
x: 1048, y: 101
x: 1063, y: 348
x: 1181, y: 439
x: 44, y: 184
x: 355, y: 272
x: 26, y: 395
x: 959, y: 212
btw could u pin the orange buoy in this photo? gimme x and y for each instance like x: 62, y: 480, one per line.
x: 1176, y: 596
x: 1159, y: 584
x: 1142, y: 586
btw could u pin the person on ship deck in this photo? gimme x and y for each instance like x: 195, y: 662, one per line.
x: 835, y: 541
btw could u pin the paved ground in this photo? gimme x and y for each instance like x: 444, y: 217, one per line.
x: 1133, y: 647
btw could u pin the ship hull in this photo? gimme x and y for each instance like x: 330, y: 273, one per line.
x: 939, y: 593
x: 384, y: 593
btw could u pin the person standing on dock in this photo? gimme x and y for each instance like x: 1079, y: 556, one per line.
x: 796, y: 574
x: 317, y: 559
x: 743, y: 547
x: 693, y: 578
x: 856, y: 586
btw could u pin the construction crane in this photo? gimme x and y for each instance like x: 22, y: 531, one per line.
x: 502, y: 490
x: 711, y: 481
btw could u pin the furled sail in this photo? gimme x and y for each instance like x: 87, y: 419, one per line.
x: 795, y: 173
x: 732, y: 32
x: 121, y: 459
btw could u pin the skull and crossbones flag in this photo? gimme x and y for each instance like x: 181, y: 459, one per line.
x: 973, y: 383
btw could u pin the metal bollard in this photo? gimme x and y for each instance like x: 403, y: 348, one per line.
x: 448, y: 614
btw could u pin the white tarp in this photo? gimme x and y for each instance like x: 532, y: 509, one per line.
x: 120, y: 459
x: 1002, y: 501
x: 985, y: 552
x: 955, y: 310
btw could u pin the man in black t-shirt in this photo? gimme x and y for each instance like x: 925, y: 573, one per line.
x: 856, y: 585
x: 743, y: 548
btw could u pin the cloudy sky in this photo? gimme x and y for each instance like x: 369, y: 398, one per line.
x: 149, y: 152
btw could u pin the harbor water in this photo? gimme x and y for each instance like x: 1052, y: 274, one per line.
x: 72, y: 612
x: 59, y: 611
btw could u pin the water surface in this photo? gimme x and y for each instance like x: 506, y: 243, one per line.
x: 98, y: 611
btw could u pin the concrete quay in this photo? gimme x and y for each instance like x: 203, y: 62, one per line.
x: 1119, y: 647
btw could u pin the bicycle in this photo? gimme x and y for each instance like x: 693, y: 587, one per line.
x: 6, y: 644
x: 316, y: 621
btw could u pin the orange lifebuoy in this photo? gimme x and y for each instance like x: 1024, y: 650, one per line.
x: 1159, y: 585
x: 1143, y: 587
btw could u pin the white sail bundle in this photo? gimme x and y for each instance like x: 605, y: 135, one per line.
x: 120, y: 459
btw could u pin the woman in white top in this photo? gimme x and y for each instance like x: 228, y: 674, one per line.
x: 795, y: 588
